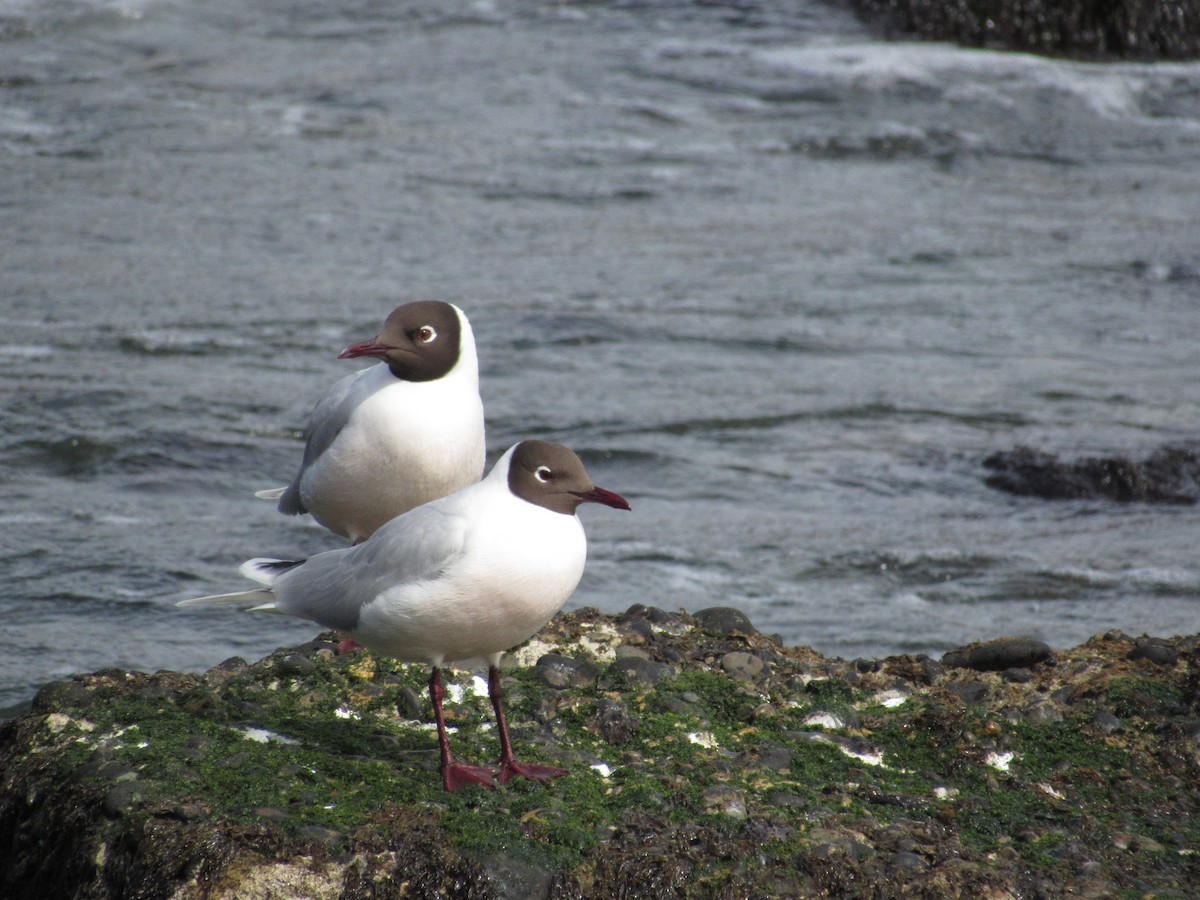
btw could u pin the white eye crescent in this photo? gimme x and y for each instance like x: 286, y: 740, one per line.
x: 543, y: 474
x: 426, y: 334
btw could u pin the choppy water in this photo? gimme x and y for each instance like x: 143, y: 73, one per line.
x: 783, y: 286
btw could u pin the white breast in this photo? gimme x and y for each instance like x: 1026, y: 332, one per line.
x: 403, y: 445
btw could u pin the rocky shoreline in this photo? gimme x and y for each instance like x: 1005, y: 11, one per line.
x: 707, y: 760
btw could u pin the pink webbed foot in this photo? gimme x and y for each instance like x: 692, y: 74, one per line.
x: 349, y: 645
x: 456, y: 775
x: 510, y: 769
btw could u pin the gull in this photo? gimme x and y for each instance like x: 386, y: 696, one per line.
x: 397, y: 434
x: 462, y: 578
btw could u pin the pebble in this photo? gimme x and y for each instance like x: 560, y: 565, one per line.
x: 721, y: 798
x: 613, y: 722
x: 191, y: 812
x: 972, y: 693
x: 770, y: 755
x: 635, y: 627
x: 122, y: 798
x: 560, y: 672
x: 1017, y: 676
x: 409, y: 704
x: 640, y: 669
x: 1141, y: 843
x: 295, y: 665
x: 724, y: 620
x: 317, y: 834
x: 743, y: 665
x: 1156, y: 650
x: 625, y: 651
x: 1042, y: 714
x: 905, y: 860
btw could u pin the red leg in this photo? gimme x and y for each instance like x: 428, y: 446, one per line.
x: 347, y: 645
x: 454, y: 774
x: 509, y: 766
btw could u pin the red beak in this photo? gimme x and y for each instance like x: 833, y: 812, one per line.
x: 600, y: 495
x: 365, y: 348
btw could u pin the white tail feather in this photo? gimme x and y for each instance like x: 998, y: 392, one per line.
x: 264, y: 607
x: 270, y: 494
x: 254, y: 596
x: 265, y: 570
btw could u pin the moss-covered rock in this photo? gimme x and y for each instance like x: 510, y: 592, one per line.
x: 741, y: 768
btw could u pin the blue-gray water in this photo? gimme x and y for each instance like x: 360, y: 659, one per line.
x: 784, y: 286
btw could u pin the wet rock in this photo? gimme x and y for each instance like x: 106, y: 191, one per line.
x: 972, y: 693
x: 710, y: 785
x: 1042, y: 713
x: 123, y: 797
x: 1121, y: 29
x: 626, y: 651
x: 319, y: 835
x: 1106, y: 723
x: 613, y: 721
x: 514, y: 878
x: 61, y: 695
x: 641, y: 670
x: 743, y: 665
x: 908, y: 861
x: 1154, y: 650
x: 558, y: 671
x: 294, y: 665
x: 191, y: 812
x: 769, y: 755
x: 205, y: 703
x: 410, y: 704
x: 726, y: 800
x: 658, y: 616
x: 724, y: 620
x: 635, y: 628
x: 1171, y: 475
x: 998, y: 655
x: 1139, y: 842
x: 1017, y: 676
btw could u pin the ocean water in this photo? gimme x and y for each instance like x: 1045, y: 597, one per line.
x: 781, y: 284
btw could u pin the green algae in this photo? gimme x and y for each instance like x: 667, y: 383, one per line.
x: 703, y: 778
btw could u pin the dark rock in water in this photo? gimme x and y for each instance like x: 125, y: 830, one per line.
x: 725, y: 620
x: 998, y: 655
x: 1169, y: 475
x: 1091, y: 29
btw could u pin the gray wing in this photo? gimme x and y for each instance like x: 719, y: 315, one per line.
x: 325, y: 423
x: 331, y: 588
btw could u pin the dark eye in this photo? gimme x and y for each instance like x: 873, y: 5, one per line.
x: 543, y: 474
x: 425, y: 334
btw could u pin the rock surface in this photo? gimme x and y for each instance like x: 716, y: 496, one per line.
x: 1169, y: 475
x: 1089, y: 29
x: 705, y: 762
